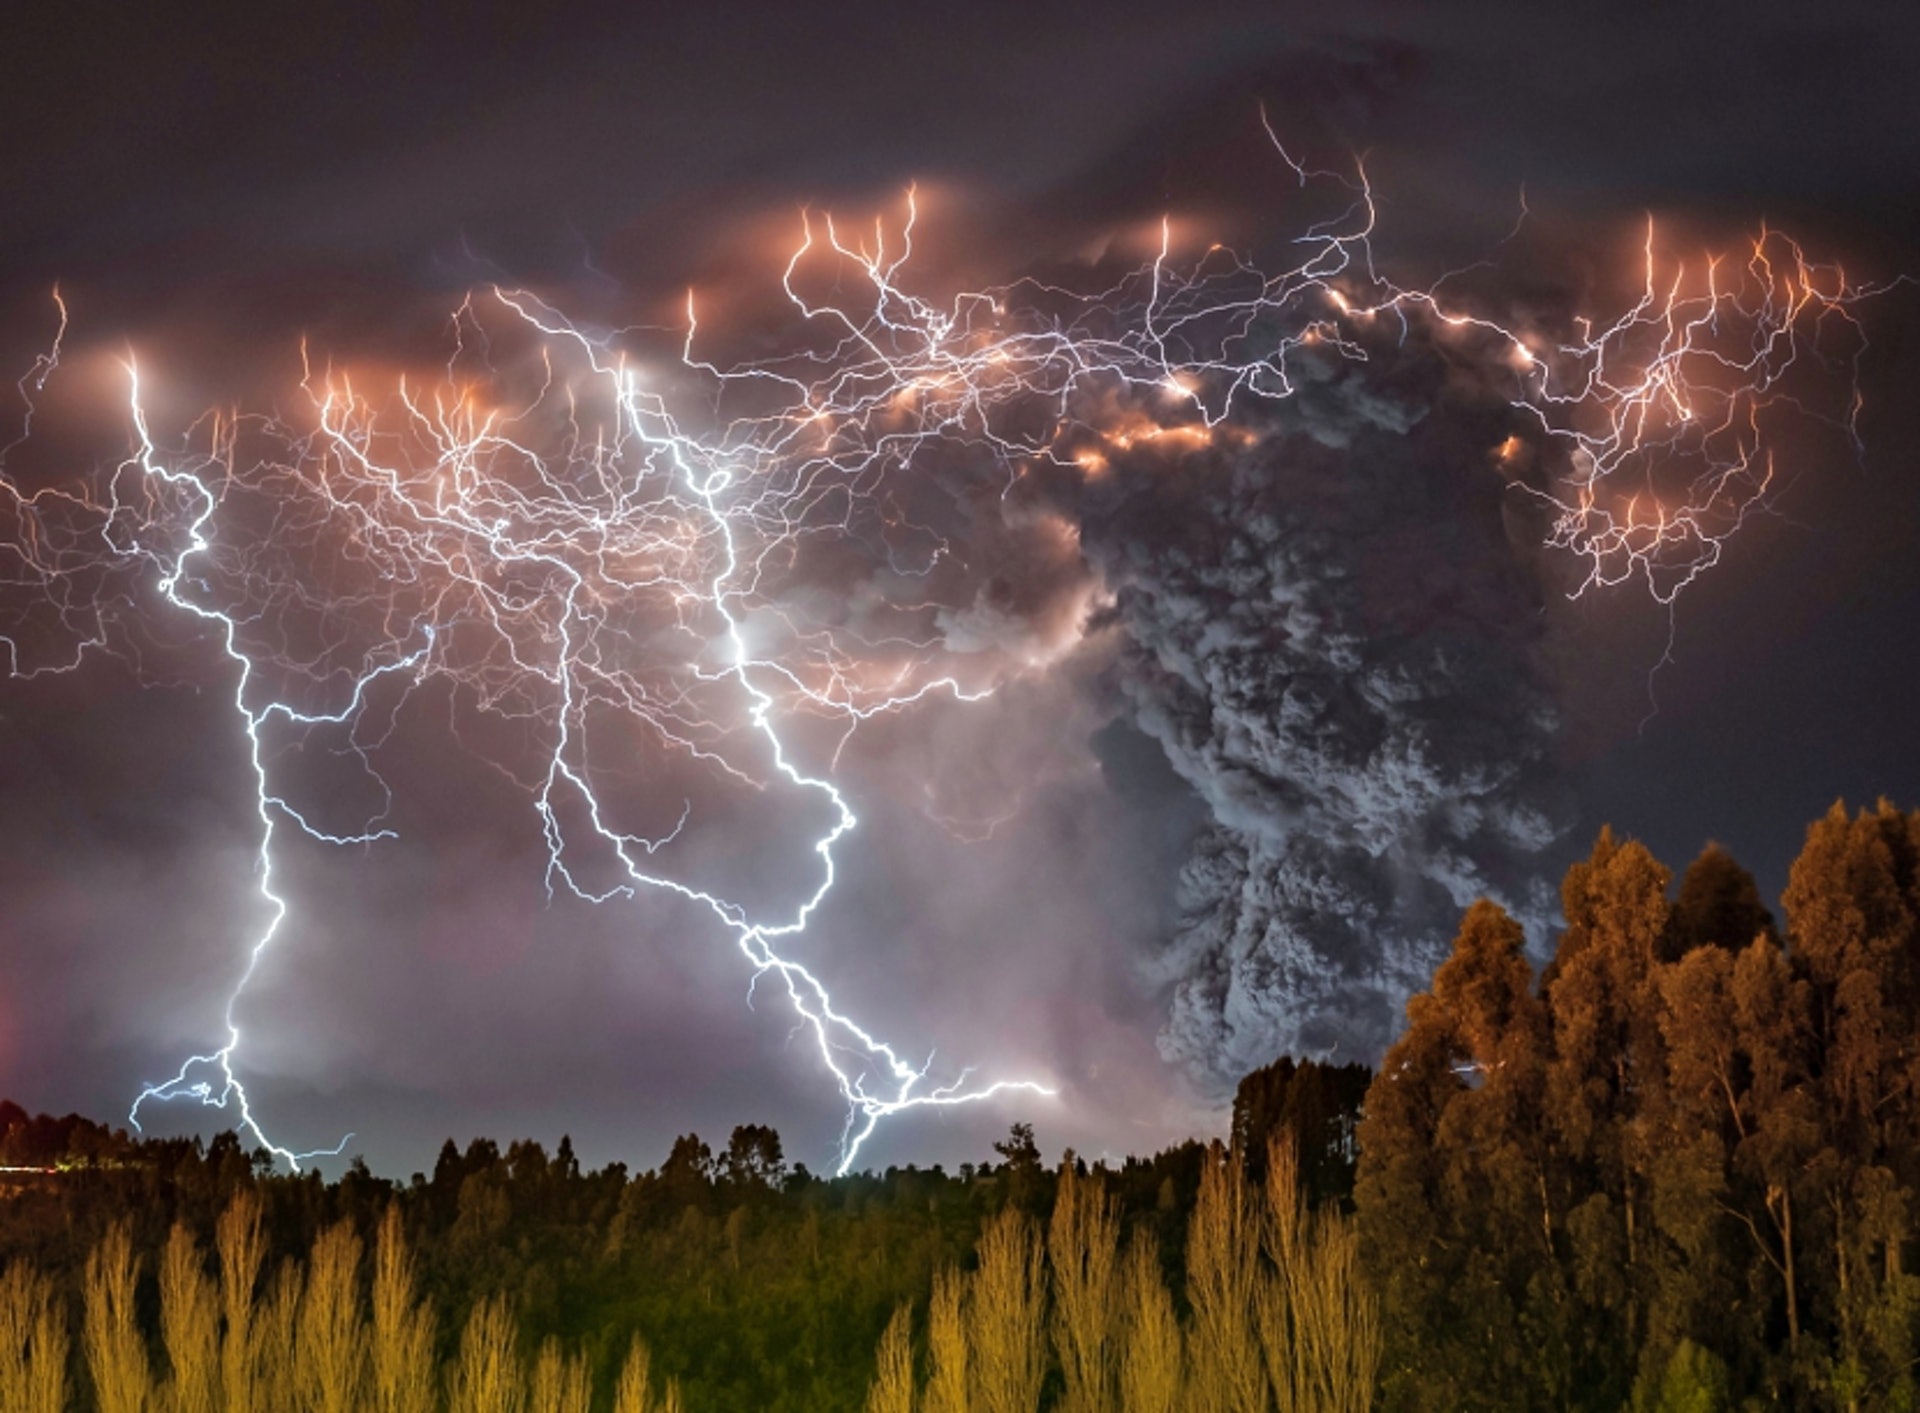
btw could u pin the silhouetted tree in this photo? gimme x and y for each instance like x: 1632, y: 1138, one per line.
x: 1718, y: 905
x: 1317, y: 1106
x: 753, y: 1159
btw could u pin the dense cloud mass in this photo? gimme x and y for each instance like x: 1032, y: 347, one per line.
x: 1330, y: 635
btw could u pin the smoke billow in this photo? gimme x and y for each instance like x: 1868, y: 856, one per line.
x: 1331, y: 634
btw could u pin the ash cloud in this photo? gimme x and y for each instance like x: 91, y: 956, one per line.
x: 1332, y: 636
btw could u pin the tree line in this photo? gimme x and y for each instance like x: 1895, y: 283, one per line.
x: 1676, y: 1167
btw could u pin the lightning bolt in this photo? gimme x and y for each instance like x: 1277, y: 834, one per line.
x: 539, y: 527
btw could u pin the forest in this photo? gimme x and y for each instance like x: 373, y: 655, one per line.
x: 1672, y: 1165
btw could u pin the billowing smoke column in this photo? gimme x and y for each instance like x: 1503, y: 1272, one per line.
x: 1299, y: 510
x: 1329, y: 631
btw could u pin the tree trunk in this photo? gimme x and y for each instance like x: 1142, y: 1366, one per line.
x: 1780, y: 1208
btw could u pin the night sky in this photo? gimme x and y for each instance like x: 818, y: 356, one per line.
x: 207, y: 187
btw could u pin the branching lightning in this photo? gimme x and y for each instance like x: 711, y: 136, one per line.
x: 547, y: 527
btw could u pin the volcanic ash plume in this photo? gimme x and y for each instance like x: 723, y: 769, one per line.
x: 1331, y: 636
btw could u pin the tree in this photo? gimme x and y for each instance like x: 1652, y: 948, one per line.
x: 332, y: 1350
x: 1153, y: 1365
x: 1711, y: 1222
x: 892, y: 1390
x: 1223, y: 1245
x: 1318, y: 1105
x: 1083, y: 1244
x: 1694, y: 1380
x: 1455, y: 1200
x: 753, y: 1159
x: 562, y: 1383
x: 116, y: 1351
x: 1318, y: 1317
x: 402, y: 1328
x: 278, y: 1333
x: 1021, y: 1156
x: 1718, y: 905
x: 190, y: 1323
x: 486, y: 1378
x: 1605, y: 1098
x: 566, y: 1167
x: 634, y: 1394
x: 1006, y: 1335
x: 949, y: 1357
x: 686, y: 1178
x: 241, y: 1251
x: 33, y: 1342
x: 1400, y: 1195
x: 1853, y: 913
